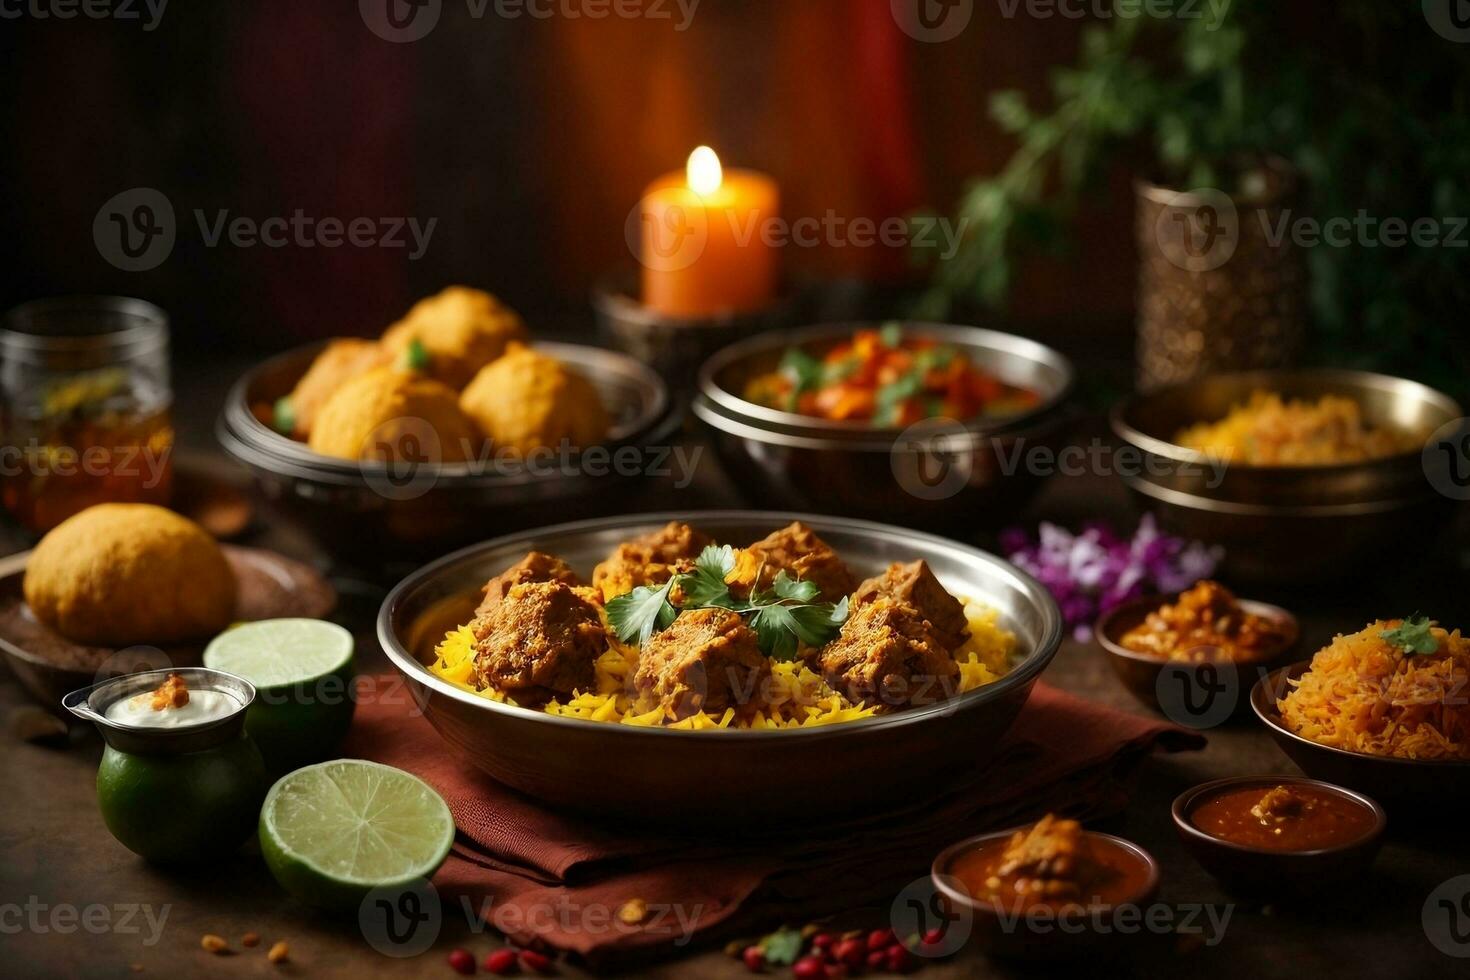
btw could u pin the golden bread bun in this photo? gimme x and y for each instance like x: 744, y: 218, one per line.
x: 126, y: 574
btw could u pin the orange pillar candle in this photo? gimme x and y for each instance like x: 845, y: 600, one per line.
x: 707, y: 240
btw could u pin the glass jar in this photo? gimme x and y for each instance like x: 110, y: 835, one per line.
x: 84, y: 407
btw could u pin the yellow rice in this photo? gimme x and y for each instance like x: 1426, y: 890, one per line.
x: 1270, y: 431
x: 1364, y: 694
x: 799, y: 697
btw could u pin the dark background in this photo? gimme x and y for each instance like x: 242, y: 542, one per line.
x: 529, y: 140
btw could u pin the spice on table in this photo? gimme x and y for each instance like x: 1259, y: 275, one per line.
x: 460, y: 961
x: 250, y: 940
x: 534, y: 962
x: 279, y: 952
x: 211, y: 943
x: 501, y: 963
x: 633, y: 911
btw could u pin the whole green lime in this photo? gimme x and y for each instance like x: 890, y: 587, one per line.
x: 182, y: 808
x: 302, y: 672
x: 333, y: 832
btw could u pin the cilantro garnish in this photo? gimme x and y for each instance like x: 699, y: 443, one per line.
x: 416, y: 356
x: 283, y: 415
x: 803, y: 371
x: 1413, y: 636
x: 783, y: 616
x: 890, y: 335
x: 782, y: 947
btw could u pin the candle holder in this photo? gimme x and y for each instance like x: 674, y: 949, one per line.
x: 674, y: 346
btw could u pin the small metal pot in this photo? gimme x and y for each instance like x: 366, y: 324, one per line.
x: 373, y: 514
x: 938, y: 475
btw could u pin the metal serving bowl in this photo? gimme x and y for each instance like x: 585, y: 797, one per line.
x: 937, y: 474
x: 749, y: 779
x: 376, y: 513
x: 1284, y: 523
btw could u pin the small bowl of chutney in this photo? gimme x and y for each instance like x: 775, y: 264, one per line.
x: 1167, y: 649
x: 1265, y: 836
x: 1049, y: 890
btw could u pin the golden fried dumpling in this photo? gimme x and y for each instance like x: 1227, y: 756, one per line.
x: 461, y: 329
x: 391, y: 414
x: 527, y: 400
x: 338, y: 363
x: 125, y: 574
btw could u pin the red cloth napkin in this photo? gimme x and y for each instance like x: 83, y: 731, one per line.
x: 533, y: 873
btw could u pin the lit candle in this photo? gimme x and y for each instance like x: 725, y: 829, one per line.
x: 706, y: 242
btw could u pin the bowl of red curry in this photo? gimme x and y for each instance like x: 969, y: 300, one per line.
x: 1049, y: 890
x: 1200, y: 639
x: 1279, y: 835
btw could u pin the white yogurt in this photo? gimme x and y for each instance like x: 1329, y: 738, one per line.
x: 203, y: 706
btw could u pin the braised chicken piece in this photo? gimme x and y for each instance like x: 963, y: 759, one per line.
x: 540, y: 642
x: 707, y: 660
x: 796, y: 549
x: 1279, y: 803
x: 1050, y: 861
x: 888, y: 655
x: 915, y: 584
x: 650, y: 559
x: 537, y: 566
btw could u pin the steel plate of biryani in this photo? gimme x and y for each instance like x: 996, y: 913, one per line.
x: 727, y: 667
x: 1398, y: 688
x: 676, y: 629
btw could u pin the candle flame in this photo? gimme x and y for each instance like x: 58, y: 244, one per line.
x: 704, y: 172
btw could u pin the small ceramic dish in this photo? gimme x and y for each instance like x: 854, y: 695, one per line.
x: 1144, y: 675
x: 1428, y: 786
x: 1268, y: 871
x: 1043, y: 932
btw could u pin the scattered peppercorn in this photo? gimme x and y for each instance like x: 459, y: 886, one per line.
x: 502, y: 962
x: 461, y: 962
x: 755, y: 959
x: 250, y: 940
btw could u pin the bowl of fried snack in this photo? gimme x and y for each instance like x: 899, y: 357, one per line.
x: 450, y: 425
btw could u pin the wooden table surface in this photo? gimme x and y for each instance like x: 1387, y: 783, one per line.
x: 75, y: 903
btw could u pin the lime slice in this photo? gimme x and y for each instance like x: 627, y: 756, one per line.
x: 274, y: 652
x: 302, y: 671
x: 335, y: 831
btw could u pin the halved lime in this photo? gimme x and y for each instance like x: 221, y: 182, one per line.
x: 335, y: 831
x: 302, y: 672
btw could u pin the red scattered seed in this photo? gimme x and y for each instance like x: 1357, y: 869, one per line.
x: 835, y: 971
x: 462, y: 962
x: 899, y: 960
x: 933, y: 937
x: 755, y: 959
x: 502, y: 962
x: 535, y: 962
x: 881, y: 939
x: 822, y: 940
x: 851, y: 952
x: 877, y: 959
x: 810, y: 968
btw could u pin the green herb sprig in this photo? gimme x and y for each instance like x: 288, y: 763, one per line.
x: 1413, y: 636
x: 783, y: 616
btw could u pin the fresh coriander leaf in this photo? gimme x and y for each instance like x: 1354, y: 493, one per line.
x: 891, y: 334
x: 896, y: 392
x: 816, y: 625
x: 782, y: 947
x: 802, y: 369
x: 1413, y: 636
x: 834, y: 372
x: 635, y: 616
x: 283, y: 415
x: 794, y: 589
x: 416, y: 356
x: 706, y: 586
x: 775, y: 631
